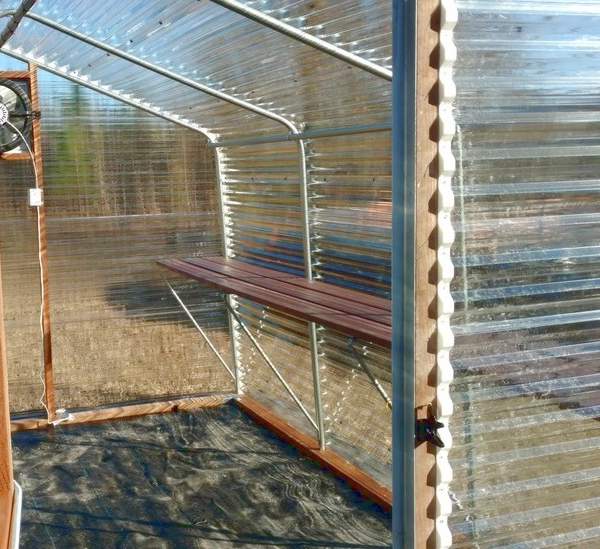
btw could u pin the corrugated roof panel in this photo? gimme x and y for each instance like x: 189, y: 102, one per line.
x: 217, y: 47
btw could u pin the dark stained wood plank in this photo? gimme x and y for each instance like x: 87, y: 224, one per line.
x: 312, y: 295
x: 324, y: 287
x: 349, y: 324
x: 330, y: 460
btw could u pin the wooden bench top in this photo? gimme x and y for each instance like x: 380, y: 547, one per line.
x: 348, y: 311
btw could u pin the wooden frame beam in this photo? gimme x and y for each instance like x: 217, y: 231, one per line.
x: 15, y: 75
x: 94, y: 415
x: 50, y: 396
x: 6, y: 471
x: 309, y: 446
x: 426, y: 174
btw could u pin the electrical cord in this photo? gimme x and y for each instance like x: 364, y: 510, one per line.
x: 37, y: 209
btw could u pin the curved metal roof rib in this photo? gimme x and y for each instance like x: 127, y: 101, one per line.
x: 114, y: 94
x: 304, y: 37
x: 154, y: 68
x: 317, y: 91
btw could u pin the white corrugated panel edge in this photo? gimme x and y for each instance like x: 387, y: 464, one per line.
x: 445, y: 303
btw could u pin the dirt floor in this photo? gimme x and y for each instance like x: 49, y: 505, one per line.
x: 211, y: 478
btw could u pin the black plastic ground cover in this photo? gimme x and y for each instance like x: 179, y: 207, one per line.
x: 211, y: 478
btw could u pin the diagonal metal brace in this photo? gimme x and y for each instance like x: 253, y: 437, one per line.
x: 369, y: 373
x: 266, y: 358
x: 202, y: 332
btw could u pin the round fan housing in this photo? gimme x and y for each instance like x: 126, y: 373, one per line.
x: 15, y: 107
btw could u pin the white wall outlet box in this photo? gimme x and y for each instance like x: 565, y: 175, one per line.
x: 36, y: 198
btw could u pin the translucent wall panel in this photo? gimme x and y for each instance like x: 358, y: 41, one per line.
x: 351, y: 210
x: 123, y: 189
x: 350, y: 199
x: 526, y: 395
x: 350, y: 223
x: 262, y: 201
x: 263, y: 207
x: 21, y: 284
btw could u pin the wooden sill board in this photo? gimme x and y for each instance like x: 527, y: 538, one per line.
x: 126, y: 411
x: 330, y: 460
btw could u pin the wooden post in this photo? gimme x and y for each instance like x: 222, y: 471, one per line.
x: 6, y: 472
x: 43, y: 244
x: 428, y: 20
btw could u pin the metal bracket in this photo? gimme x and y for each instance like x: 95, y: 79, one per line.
x: 33, y: 114
x: 426, y: 430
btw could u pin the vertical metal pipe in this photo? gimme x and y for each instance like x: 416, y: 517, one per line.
x: 403, y: 266
x: 233, y: 327
x: 308, y: 272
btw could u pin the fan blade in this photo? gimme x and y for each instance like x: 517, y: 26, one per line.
x: 6, y: 135
x: 9, y: 98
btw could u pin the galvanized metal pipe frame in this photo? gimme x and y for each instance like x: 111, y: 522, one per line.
x: 247, y: 106
x: 403, y: 272
x: 266, y: 358
x: 308, y: 268
x: 308, y: 134
x: 199, y: 328
x: 304, y: 37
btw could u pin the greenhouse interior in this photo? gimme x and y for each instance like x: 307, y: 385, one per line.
x: 308, y: 273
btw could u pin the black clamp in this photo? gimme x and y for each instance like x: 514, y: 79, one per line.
x: 426, y: 430
x: 27, y: 114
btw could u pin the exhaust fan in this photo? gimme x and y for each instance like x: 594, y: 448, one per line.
x: 15, y: 108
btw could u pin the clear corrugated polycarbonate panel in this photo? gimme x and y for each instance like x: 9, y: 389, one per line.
x: 350, y: 199
x: 349, y: 214
x: 214, y: 46
x: 351, y: 209
x: 122, y: 190
x: 21, y: 281
x: 262, y: 200
x: 526, y: 424
x: 349, y: 186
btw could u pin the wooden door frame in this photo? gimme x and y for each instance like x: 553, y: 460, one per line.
x: 31, y: 77
x: 6, y: 467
